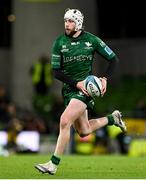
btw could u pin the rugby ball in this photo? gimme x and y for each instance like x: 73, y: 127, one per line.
x: 93, y: 86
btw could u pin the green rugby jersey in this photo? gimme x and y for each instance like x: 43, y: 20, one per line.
x: 75, y: 55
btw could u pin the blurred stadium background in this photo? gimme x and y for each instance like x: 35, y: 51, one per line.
x: 29, y: 123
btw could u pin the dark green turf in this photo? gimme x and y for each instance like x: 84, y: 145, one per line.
x: 75, y: 167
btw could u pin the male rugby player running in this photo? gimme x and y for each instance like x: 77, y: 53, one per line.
x: 72, y: 59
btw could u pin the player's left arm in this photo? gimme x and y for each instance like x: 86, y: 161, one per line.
x: 112, y: 59
x: 108, y: 73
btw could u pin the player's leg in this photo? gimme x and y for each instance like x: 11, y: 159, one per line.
x: 85, y: 127
x: 82, y: 126
x: 72, y: 112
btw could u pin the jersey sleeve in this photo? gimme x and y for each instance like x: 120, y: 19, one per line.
x: 56, y: 56
x: 103, y: 49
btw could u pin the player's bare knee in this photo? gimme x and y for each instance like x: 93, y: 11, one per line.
x: 64, y: 122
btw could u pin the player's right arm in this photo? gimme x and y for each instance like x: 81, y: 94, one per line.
x: 56, y: 62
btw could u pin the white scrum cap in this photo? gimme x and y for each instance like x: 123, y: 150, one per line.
x: 76, y: 16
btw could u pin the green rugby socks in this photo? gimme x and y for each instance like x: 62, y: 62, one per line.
x: 55, y: 160
x: 110, y: 119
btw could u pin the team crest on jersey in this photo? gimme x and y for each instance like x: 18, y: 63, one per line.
x: 88, y: 45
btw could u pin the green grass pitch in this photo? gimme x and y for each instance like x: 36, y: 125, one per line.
x: 74, y: 167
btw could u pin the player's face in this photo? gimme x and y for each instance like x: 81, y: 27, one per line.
x: 69, y: 26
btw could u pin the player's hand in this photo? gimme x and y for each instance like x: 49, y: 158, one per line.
x: 104, y: 85
x: 80, y: 86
